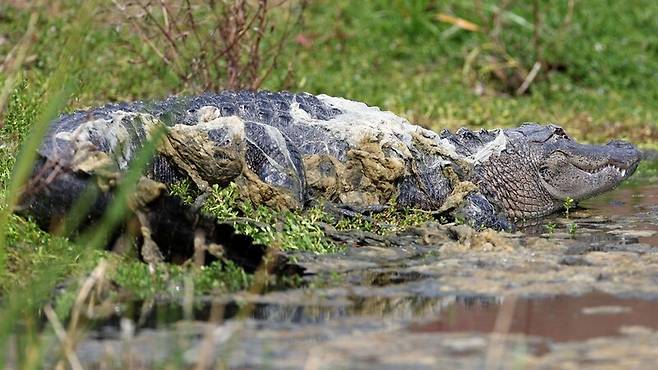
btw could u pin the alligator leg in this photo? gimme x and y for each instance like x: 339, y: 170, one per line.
x: 175, y: 227
x: 476, y: 211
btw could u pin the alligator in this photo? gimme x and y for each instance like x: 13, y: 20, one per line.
x: 291, y: 150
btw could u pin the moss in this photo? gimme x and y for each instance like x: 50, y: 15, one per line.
x: 391, y: 220
x: 184, y: 190
x: 134, y: 278
x: 287, y: 230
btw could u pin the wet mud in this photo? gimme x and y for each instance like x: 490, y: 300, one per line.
x: 573, y: 292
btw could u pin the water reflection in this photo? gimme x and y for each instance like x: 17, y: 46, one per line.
x: 561, y: 318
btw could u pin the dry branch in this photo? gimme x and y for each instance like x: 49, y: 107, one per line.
x: 210, y: 45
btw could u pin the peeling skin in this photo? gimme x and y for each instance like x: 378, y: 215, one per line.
x: 495, y: 147
x: 147, y: 191
x: 360, y: 123
x: 279, y: 142
x: 366, y: 178
x: 377, y: 171
x: 459, y: 193
x: 384, y: 145
x: 379, y: 152
x: 257, y: 191
x: 299, y: 114
x: 81, y: 142
x: 200, y: 157
x: 443, y: 149
x: 325, y: 175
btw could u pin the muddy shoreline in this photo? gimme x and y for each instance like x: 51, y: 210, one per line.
x: 440, y: 296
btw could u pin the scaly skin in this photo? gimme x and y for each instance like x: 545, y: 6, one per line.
x: 288, y: 150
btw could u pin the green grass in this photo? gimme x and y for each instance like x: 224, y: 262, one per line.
x: 400, y: 57
x: 602, y: 83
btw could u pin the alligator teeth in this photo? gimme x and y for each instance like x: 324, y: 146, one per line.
x: 622, y: 172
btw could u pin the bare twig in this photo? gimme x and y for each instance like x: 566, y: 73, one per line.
x: 167, y: 35
x: 202, y: 63
x: 529, y: 78
x: 278, y: 50
x: 63, y: 338
x: 94, y: 278
x: 212, y: 45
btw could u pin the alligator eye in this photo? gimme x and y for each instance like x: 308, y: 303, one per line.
x: 559, y: 131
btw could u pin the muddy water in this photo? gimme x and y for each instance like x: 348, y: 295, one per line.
x: 634, y: 203
x: 555, y: 296
x: 560, y: 318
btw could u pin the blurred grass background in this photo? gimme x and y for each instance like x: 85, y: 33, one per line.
x: 589, y: 65
x: 598, y: 75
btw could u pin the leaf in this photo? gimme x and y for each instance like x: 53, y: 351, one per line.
x: 458, y: 22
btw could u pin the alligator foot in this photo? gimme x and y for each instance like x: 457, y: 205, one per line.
x: 477, y: 212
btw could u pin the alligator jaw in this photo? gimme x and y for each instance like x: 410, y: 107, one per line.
x: 607, y: 178
x: 580, y: 171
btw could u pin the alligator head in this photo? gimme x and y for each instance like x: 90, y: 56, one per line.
x: 531, y: 170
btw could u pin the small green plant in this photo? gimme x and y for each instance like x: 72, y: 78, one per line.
x: 222, y: 202
x: 357, y: 222
x: 568, y: 204
x: 572, y: 228
x: 550, y: 227
x: 294, y: 230
x: 183, y: 190
x: 397, y: 219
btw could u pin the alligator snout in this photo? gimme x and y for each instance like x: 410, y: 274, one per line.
x: 625, y: 146
x: 624, y: 154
